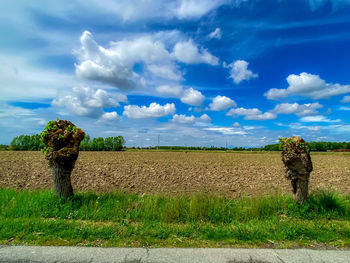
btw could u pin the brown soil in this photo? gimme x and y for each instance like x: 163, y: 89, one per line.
x: 231, y: 174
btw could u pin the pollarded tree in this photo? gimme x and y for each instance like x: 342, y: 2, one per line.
x: 297, y: 161
x: 62, y: 139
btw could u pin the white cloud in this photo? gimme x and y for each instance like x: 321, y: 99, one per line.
x: 216, y: 33
x: 243, y: 111
x: 85, y: 101
x: 261, y: 117
x: 188, y: 52
x: 295, y: 108
x: 109, y: 116
x: 140, y: 10
x: 346, y: 99
x: 184, y: 119
x: 21, y: 81
x: 318, y: 118
x: 170, y: 91
x: 344, y: 108
x: 251, y: 114
x: 308, y: 85
x: 195, y: 8
x: 114, y: 65
x: 240, y: 72
x: 181, y: 118
x: 227, y: 130
x: 153, y: 111
x: 9, y: 111
x: 192, y: 97
x: 188, y: 96
x: 166, y: 72
x: 222, y: 103
x: 205, y: 118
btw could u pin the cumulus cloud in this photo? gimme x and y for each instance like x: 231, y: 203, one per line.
x: 216, y: 33
x: 187, y: 52
x: 205, y: 118
x: 240, y: 72
x: 188, y: 96
x: 85, y: 101
x: 114, y: 65
x: 242, y: 111
x: 346, y: 99
x: 307, y: 85
x: 154, y: 110
x: 222, y: 103
x: 344, y: 108
x: 183, y: 119
x: 109, y: 116
x: 251, y: 114
x: 298, y: 109
x: 192, y: 97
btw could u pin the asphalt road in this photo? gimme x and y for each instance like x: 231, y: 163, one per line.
x: 29, y: 254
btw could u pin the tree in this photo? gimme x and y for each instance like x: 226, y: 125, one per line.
x: 62, y: 139
x: 108, y: 146
x: 297, y: 161
x: 118, y: 143
x: 98, y: 144
x: 85, y: 144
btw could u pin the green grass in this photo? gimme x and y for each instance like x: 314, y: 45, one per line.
x: 121, y: 219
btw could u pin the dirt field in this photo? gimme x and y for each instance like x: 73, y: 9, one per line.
x: 231, y: 174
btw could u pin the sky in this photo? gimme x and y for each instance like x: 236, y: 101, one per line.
x: 239, y: 73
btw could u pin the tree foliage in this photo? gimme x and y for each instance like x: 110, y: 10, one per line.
x: 27, y: 143
x: 314, y: 146
x: 102, y: 144
x: 34, y: 143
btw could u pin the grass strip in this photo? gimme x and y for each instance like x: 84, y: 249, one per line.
x: 121, y: 219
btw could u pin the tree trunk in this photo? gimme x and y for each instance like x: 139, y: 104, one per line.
x: 61, y: 181
x: 302, y: 190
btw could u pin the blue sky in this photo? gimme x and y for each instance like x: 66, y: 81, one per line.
x: 199, y: 73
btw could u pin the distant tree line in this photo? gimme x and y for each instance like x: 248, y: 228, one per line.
x: 211, y: 148
x: 34, y: 143
x: 26, y: 143
x: 315, y: 146
x: 102, y: 144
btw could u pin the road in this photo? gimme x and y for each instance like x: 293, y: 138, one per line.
x: 38, y: 254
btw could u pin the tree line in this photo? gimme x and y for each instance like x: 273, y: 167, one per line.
x: 315, y: 146
x: 34, y: 143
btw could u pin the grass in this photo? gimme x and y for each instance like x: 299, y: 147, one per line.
x: 122, y: 219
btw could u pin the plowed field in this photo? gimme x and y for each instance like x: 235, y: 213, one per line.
x: 230, y: 174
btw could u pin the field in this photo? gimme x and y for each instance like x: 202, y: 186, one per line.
x: 230, y: 174
x: 167, y: 199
